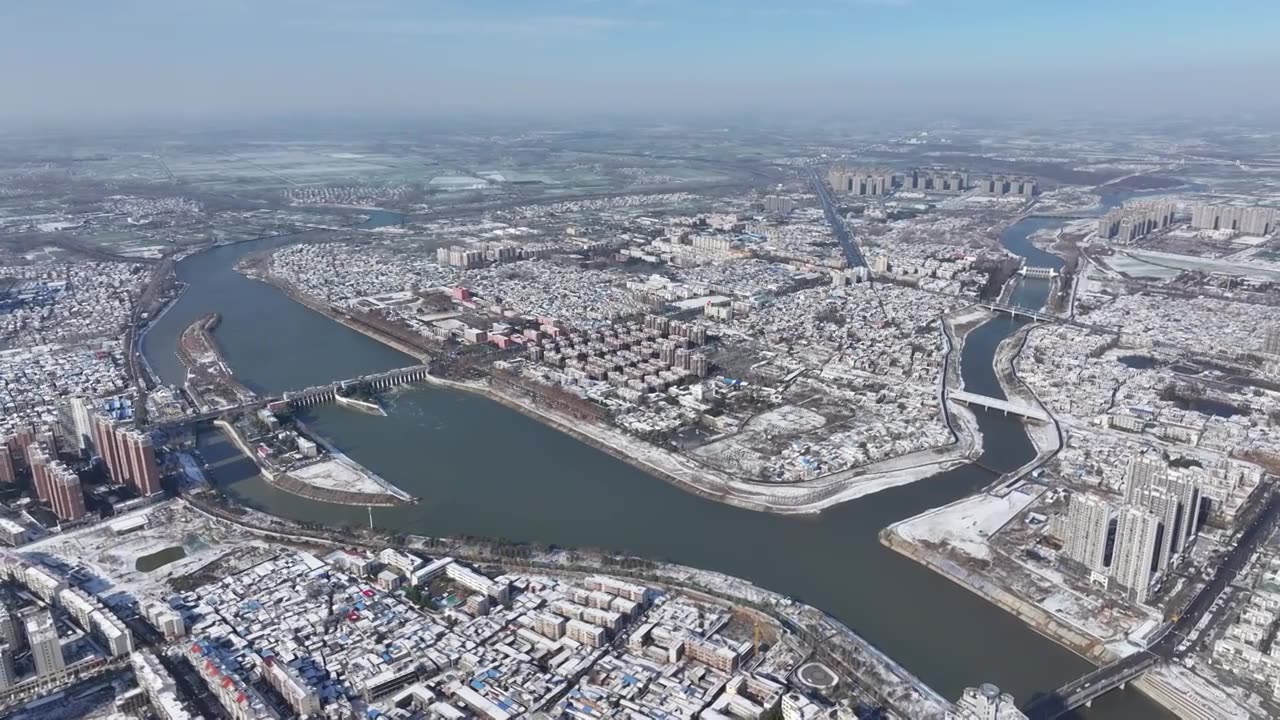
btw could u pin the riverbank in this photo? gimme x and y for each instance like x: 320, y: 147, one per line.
x: 968, y: 524
x: 335, y: 479
x: 959, y: 540
x: 804, y: 497
x: 1047, y: 438
x: 831, y: 642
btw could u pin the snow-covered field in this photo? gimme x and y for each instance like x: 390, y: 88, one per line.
x: 113, y: 558
x: 967, y: 524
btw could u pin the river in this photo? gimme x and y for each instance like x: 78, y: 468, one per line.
x: 482, y: 469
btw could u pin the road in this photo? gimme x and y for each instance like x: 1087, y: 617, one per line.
x: 851, y: 251
x: 1107, y: 678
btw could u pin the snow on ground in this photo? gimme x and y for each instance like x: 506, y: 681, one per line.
x: 112, y: 558
x: 1197, y: 693
x: 333, y: 474
x: 965, y: 525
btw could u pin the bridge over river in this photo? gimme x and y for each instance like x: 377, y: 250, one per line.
x: 1006, y: 406
x: 308, y: 397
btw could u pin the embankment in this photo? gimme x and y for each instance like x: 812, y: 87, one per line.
x: 805, y: 497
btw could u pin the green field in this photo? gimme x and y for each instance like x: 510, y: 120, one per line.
x: 160, y: 558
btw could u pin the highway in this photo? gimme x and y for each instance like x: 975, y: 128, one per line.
x: 1083, y: 690
x: 851, y: 251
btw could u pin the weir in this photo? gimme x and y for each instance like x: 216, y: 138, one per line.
x: 316, y: 395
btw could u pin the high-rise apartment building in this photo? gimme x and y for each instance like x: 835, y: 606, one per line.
x: 935, y: 181
x: 66, y: 495
x: 80, y: 410
x: 39, y: 460
x: 46, y: 647
x: 1172, y: 495
x: 1136, y: 220
x: 1092, y: 525
x: 8, y: 471
x: 8, y: 675
x: 1237, y: 218
x: 10, y: 632
x: 1000, y: 185
x: 1271, y: 340
x: 128, y: 455
x: 861, y: 181
x: 1138, y: 542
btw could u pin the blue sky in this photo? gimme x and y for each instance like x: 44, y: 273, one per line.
x: 136, y: 58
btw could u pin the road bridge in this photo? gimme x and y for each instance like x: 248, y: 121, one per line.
x: 1064, y: 215
x: 1172, y: 640
x: 1017, y: 311
x: 1027, y: 411
x: 1084, y: 690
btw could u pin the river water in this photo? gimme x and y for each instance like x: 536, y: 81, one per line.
x: 482, y: 469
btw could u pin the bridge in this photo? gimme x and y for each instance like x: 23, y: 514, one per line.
x: 1034, y: 271
x: 1064, y: 215
x: 1170, y: 641
x: 1018, y: 311
x: 1084, y: 690
x: 379, y: 381
x: 311, y: 396
x: 1027, y: 411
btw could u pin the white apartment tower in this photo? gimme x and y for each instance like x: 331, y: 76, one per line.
x: 1092, y: 524
x: 1137, y: 542
x: 46, y: 648
x: 1172, y: 495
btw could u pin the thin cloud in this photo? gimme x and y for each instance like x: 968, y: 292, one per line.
x: 454, y: 26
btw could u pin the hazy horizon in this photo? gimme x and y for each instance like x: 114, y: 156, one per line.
x: 74, y: 62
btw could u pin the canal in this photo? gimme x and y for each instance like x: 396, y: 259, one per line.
x: 482, y: 469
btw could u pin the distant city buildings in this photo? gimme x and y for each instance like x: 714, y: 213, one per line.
x: 877, y: 181
x: 1135, y: 220
x: 1001, y: 185
x: 935, y: 181
x: 1270, y: 343
x: 1237, y: 218
x: 778, y: 205
x: 861, y: 181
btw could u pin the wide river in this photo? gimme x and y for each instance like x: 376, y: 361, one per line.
x: 482, y: 469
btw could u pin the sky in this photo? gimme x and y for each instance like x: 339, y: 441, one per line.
x: 94, y: 60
